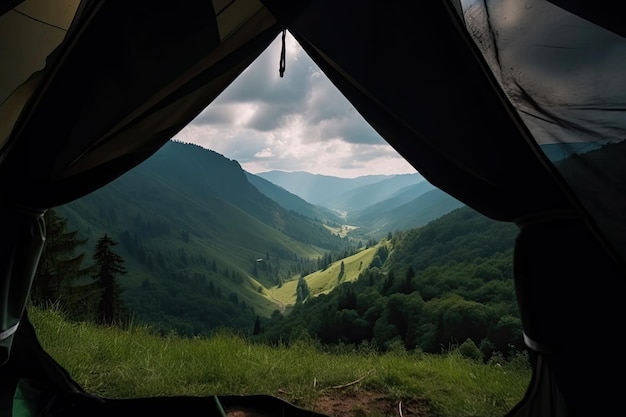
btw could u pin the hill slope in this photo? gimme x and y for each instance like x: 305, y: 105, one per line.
x: 208, y: 244
x: 427, y: 288
x: 292, y: 202
x: 191, y: 228
x: 396, y: 213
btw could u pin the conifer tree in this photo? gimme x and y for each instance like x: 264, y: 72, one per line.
x: 302, y: 291
x: 407, y: 287
x: 387, y: 284
x: 108, y: 265
x: 60, y: 269
x: 257, y: 326
x: 342, y: 271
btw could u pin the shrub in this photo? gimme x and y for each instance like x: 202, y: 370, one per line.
x: 468, y: 349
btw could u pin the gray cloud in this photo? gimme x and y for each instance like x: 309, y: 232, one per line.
x: 260, y: 82
x: 297, y: 122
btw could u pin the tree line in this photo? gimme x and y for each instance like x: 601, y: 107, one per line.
x: 64, y: 278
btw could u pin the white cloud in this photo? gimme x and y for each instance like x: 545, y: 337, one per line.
x: 300, y: 122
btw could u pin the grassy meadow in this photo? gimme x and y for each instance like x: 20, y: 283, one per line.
x: 324, y: 281
x: 134, y: 362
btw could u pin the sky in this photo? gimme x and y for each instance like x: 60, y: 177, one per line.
x: 299, y: 122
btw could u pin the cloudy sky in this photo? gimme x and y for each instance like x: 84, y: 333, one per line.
x: 296, y: 123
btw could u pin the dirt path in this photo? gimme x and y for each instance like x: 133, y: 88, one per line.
x: 281, y: 305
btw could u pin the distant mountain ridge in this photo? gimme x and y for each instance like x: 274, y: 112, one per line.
x: 292, y: 201
x: 375, y: 204
x: 393, y: 214
x: 346, y: 194
x: 365, y: 196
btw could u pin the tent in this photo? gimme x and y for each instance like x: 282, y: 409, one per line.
x: 484, y: 98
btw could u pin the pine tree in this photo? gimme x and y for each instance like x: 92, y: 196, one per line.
x: 302, y: 291
x: 407, y: 286
x: 387, y: 284
x: 60, y: 270
x: 342, y: 271
x: 257, y: 326
x: 108, y: 265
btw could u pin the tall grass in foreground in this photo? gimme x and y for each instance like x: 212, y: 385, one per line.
x: 116, y: 363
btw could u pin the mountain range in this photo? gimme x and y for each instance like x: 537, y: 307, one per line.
x: 206, y: 241
x: 341, y: 194
x: 373, y: 204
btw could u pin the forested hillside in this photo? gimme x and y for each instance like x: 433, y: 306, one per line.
x: 440, y: 284
x: 205, y: 249
x: 397, y: 213
x: 202, y: 245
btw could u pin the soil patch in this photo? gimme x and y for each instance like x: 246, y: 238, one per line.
x: 354, y: 404
x: 369, y: 404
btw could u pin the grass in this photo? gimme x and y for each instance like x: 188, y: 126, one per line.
x: 324, y: 281
x: 116, y: 363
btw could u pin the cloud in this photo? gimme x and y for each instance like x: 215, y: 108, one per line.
x: 299, y: 122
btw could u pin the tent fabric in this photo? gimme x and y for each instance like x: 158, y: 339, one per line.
x: 484, y: 98
x: 38, y: 31
x: 564, y: 78
x: 569, y: 291
x: 152, y: 70
x: 23, y: 236
x: 38, y: 372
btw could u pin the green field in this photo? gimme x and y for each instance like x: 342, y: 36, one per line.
x: 324, y: 281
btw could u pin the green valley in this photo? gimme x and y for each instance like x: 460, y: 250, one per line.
x: 206, y: 249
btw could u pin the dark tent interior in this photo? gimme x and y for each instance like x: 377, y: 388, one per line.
x: 479, y: 96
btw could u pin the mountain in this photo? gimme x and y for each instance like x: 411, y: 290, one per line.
x: 208, y: 244
x: 364, y: 196
x: 395, y: 214
x: 291, y: 201
x: 199, y: 239
x: 373, y: 205
x: 201, y: 192
x: 345, y: 194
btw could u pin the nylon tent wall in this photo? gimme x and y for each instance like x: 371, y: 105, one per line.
x: 428, y: 88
